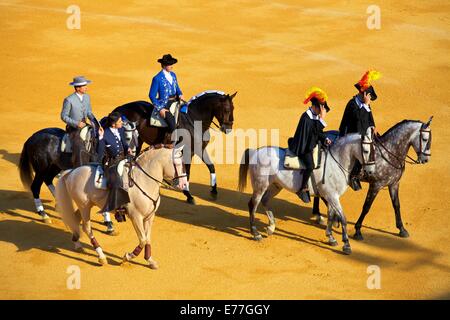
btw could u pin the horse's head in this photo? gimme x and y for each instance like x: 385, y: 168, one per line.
x: 223, y: 111
x: 131, y: 135
x: 173, y: 168
x: 368, y: 151
x: 421, y: 142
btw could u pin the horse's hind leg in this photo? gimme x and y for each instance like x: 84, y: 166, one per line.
x: 270, y: 193
x: 393, y: 191
x: 86, y: 216
x: 252, y: 206
x: 36, y: 190
x: 49, y: 176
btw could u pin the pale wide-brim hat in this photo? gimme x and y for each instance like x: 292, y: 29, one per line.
x: 79, y: 81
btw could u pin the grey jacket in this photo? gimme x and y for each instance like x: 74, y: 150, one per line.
x: 74, y: 110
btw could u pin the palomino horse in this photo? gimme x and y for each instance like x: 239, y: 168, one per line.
x: 268, y: 177
x: 391, y: 153
x: 203, y: 110
x: 145, y: 176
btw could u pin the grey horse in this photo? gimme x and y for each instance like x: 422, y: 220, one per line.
x: 391, y: 151
x: 268, y: 177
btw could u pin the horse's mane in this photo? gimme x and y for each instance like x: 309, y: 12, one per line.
x: 345, y: 139
x: 203, y: 97
x: 141, y: 107
x: 401, y: 123
x: 148, y: 155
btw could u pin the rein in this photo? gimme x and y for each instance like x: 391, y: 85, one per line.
x: 402, y: 161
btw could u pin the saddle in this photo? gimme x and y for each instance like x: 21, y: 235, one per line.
x: 85, y: 135
x: 100, y: 180
x: 157, y: 121
x: 292, y: 162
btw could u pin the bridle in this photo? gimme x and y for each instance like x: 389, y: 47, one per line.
x: 424, y: 129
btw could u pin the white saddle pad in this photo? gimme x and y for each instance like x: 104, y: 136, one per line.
x: 101, y: 182
x: 157, y: 121
x: 85, y: 135
x: 292, y: 162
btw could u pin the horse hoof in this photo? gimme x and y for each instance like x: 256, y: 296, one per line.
x: 333, y: 243
x: 347, y: 249
x: 213, y: 194
x: 112, y: 233
x: 270, y: 231
x: 358, y: 236
x: 257, y: 237
x: 320, y: 220
x: 79, y: 250
x: 102, y: 261
x: 153, y: 265
x: 190, y: 201
x: 403, y: 234
x: 47, y: 220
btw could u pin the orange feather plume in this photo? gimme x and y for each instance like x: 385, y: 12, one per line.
x: 317, y: 93
x: 367, y: 78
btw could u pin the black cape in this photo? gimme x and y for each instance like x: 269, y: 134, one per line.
x: 355, y: 119
x: 309, y: 132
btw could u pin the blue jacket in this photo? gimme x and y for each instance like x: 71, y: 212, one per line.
x: 111, y: 144
x: 161, y: 90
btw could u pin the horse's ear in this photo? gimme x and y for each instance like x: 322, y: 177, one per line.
x: 233, y: 95
x: 429, y: 122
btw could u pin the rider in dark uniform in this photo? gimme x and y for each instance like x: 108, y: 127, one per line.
x: 112, y: 140
x: 358, y: 117
x: 309, y: 132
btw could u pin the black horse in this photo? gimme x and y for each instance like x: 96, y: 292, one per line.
x: 42, y: 154
x: 204, y: 109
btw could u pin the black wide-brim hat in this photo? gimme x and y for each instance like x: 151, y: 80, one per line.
x: 167, y: 60
x: 370, y: 90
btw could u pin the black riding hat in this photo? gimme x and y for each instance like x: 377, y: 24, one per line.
x: 316, y: 103
x: 370, y: 90
x: 167, y: 60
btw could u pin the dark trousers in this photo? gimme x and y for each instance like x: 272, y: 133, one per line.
x: 356, y: 169
x: 170, y: 119
x: 308, y: 161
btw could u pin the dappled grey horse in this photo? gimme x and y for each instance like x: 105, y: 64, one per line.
x: 268, y: 177
x: 391, y: 151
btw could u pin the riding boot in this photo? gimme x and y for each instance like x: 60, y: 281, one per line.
x: 354, y: 182
x: 304, y: 195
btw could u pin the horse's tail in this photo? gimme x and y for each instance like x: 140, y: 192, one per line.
x: 64, y: 205
x: 26, y: 172
x: 243, y: 170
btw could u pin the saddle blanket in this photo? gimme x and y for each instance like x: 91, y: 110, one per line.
x: 100, y: 180
x: 292, y: 162
x: 66, y: 142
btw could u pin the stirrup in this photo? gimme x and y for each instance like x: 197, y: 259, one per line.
x: 304, y: 196
x: 355, y: 184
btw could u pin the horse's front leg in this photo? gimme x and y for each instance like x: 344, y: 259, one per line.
x: 148, y: 253
x: 212, y: 172
x: 393, y: 192
x: 371, y: 195
x: 85, y: 214
x: 138, y: 224
x: 189, y: 198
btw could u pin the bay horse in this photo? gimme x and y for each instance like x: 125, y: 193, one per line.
x: 391, y: 153
x: 203, y: 109
x: 269, y: 176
